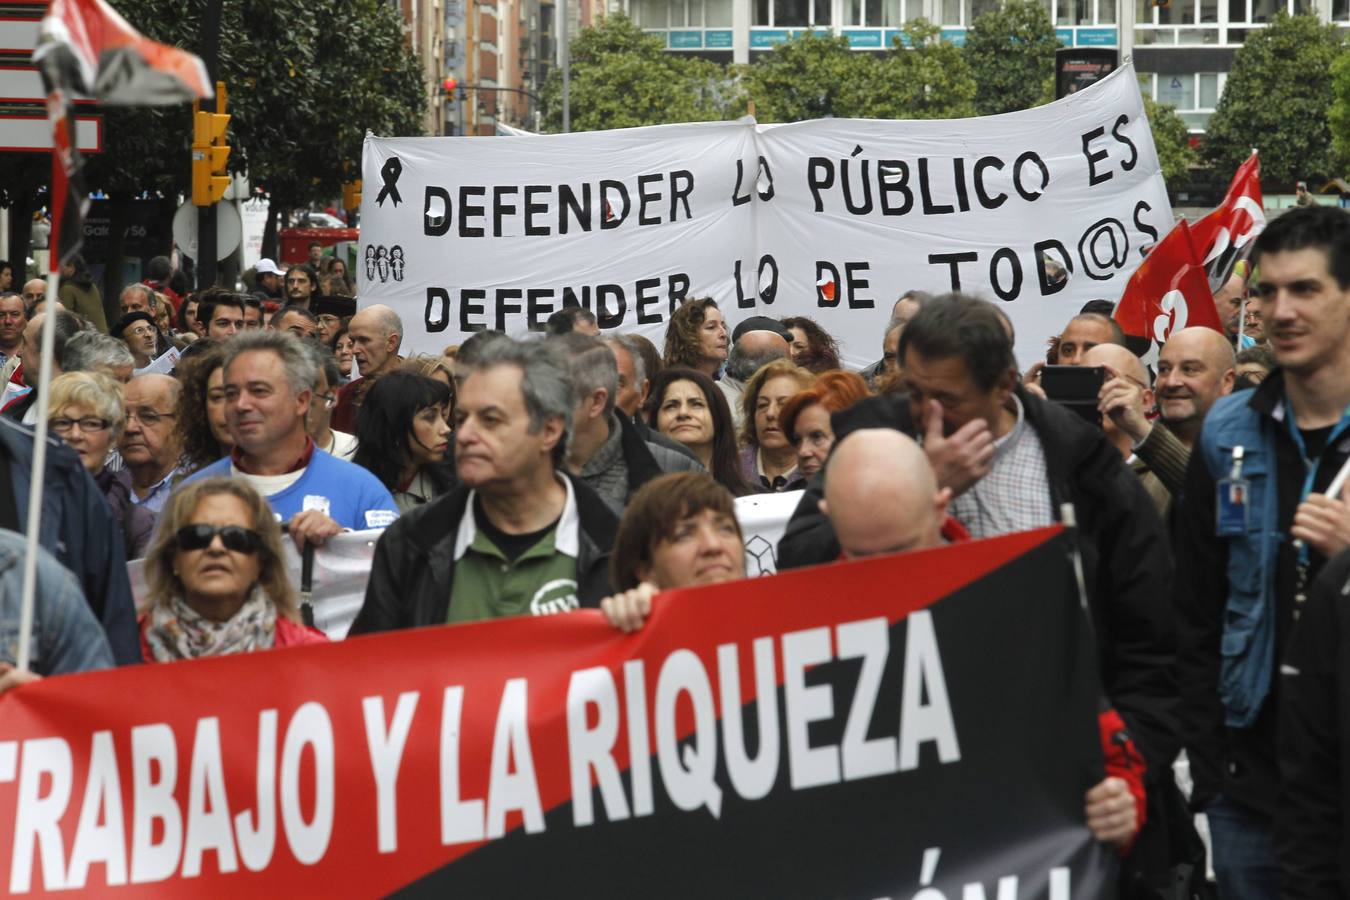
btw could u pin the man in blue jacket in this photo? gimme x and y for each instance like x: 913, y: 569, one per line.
x: 1254, y: 530
x: 269, y: 379
x: 77, y: 527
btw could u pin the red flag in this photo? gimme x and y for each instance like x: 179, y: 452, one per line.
x: 1224, y: 236
x: 85, y: 47
x: 89, y: 48
x: 1169, y: 291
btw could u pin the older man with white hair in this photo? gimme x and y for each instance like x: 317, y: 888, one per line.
x: 376, y: 333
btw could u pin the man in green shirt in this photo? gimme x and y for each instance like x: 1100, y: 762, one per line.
x: 518, y: 535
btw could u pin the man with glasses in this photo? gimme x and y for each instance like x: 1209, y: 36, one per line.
x: 137, y: 330
x: 1195, y: 369
x: 13, y: 320
x: 151, y: 444
x: 320, y: 418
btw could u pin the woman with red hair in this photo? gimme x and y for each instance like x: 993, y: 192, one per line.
x: 806, y: 416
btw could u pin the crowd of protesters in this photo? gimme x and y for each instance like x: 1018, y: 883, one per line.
x: 568, y: 470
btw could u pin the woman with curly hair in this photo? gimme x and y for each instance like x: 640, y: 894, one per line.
x: 696, y: 337
x: 769, y: 461
x: 813, y: 347
x: 403, y: 437
x: 685, y: 405
x: 201, y: 408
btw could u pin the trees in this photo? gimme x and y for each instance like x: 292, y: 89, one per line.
x: 817, y: 75
x: 1338, y: 117
x: 1277, y: 99
x: 622, y: 77
x: 1172, y: 140
x: 1011, y: 53
x: 930, y: 80
x: 812, y: 76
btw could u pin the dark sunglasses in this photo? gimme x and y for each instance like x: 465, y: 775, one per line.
x: 234, y: 537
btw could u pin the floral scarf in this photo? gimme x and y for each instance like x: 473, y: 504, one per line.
x: 176, y: 631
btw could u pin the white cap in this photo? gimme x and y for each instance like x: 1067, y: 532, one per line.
x: 267, y: 267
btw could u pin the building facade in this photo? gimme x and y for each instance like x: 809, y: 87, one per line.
x: 1183, y: 51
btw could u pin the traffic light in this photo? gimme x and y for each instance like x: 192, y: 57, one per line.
x: 351, y: 195
x: 448, y: 85
x: 210, y: 153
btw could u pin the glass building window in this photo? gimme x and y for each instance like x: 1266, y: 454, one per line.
x: 791, y: 12
x: 1177, y: 90
x: 1209, y: 90
x: 717, y: 13
x: 651, y: 13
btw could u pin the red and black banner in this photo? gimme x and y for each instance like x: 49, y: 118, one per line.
x: 860, y: 730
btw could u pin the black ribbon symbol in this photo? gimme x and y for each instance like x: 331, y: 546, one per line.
x: 393, y: 168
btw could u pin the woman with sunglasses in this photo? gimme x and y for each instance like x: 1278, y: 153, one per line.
x: 216, y: 578
x: 89, y: 414
x: 403, y: 437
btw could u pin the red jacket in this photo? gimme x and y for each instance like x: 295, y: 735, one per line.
x: 289, y: 634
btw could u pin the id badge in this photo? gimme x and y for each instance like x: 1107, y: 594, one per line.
x: 1232, y: 505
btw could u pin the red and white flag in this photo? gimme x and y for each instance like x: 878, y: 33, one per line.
x: 85, y: 47
x: 1225, y: 235
x: 1169, y: 291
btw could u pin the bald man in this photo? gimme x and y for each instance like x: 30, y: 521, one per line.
x: 1195, y: 368
x: 376, y: 333
x: 1127, y: 374
x: 751, y: 350
x: 881, y: 495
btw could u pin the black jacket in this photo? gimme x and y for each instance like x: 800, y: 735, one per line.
x: 1312, y: 839
x: 1126, y: 559
x: 1127, y: 565
x: 413, y: 572
x: 78, y: 528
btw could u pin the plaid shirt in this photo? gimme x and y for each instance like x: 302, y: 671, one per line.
x: 1015, y: 495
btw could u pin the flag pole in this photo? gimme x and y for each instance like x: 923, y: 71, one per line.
x: 39, y: 456
x: 64, y: 159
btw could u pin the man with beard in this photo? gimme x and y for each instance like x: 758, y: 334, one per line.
x: 301, y: 285
x: 1195, y: 368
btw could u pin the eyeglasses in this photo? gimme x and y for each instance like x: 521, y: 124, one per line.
x: 329, y: 400
x: 88, y: 424
x: 141, y: 332
x: 234, y: 537
x: 148, y: 417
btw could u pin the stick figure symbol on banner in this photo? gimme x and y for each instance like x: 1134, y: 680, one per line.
x: 389, y: 173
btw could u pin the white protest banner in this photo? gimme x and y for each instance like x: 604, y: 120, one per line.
x: 342, y: 564
x: 1039, y: 210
